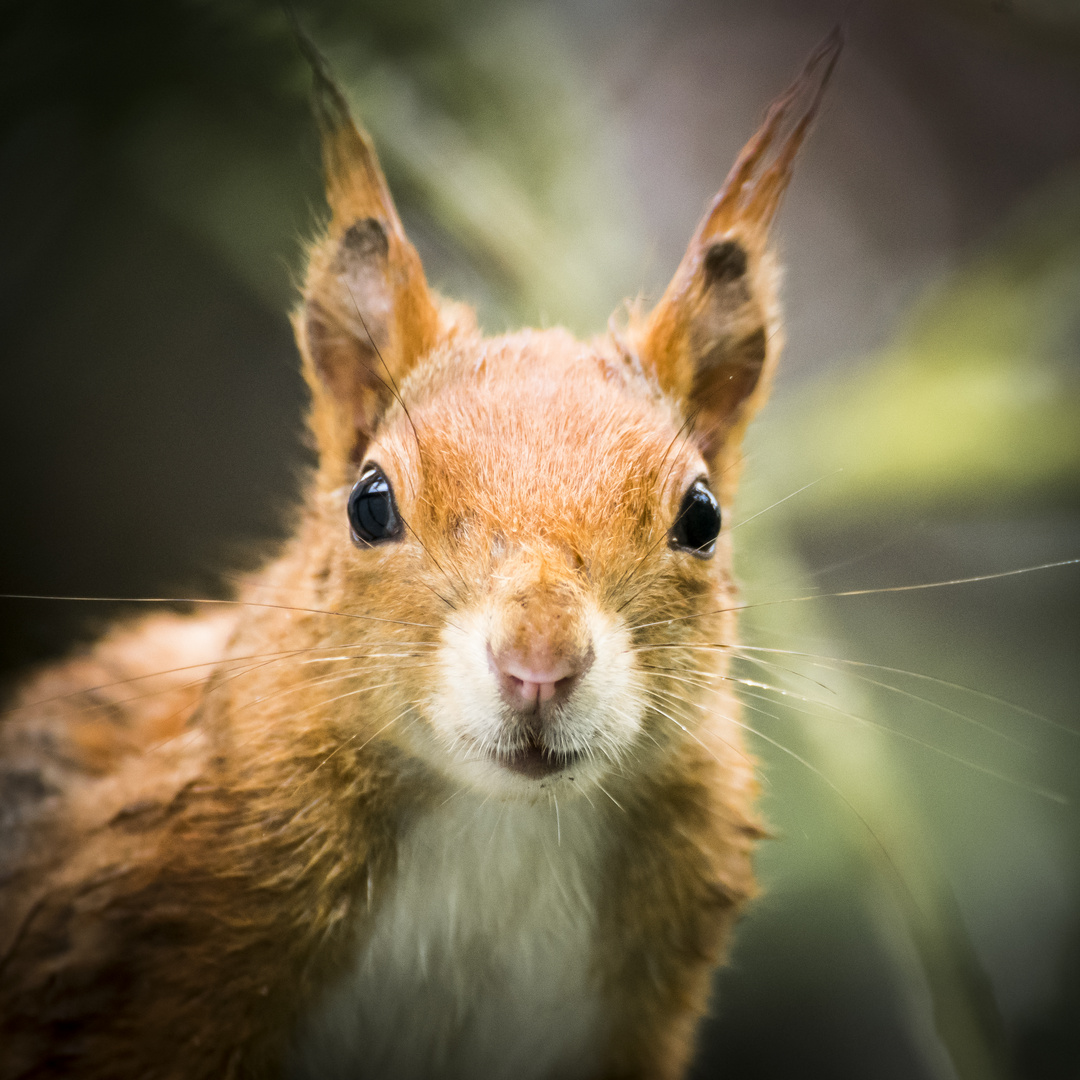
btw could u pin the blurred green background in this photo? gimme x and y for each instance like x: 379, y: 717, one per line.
x: 158, y: 176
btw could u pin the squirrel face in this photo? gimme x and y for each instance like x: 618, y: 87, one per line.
x: 538, y: 482
x: 543, y: 514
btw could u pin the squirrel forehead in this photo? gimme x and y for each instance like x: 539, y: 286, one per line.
x: 538, y: 420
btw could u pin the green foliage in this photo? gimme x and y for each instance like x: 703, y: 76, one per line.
x: 977, y: 403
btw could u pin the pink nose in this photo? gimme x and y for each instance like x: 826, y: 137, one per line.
x: 528, y: 682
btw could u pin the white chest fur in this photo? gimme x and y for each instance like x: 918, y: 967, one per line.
x: 480, y: 963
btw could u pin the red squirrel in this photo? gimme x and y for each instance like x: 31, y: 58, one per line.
x: 449, y: 789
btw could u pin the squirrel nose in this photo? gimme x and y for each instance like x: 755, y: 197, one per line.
x: 529, y: 680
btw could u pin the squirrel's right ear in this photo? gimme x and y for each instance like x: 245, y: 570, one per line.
x: 713, y: 338
x: 367, y: 314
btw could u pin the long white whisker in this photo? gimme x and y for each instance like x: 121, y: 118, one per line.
x: 981, y: 724
x: 212, y: 600
x: 1003, y: 702
x: 374, y: 735
x: 213, y: 665
x: 708, y: 750
x: 859, y: 592
x: 610, y: 796
x: 772, y: 506
x: 1033, y: 789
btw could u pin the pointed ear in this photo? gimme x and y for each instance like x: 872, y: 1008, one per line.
x: 367, y: 314
x: 714, y: 336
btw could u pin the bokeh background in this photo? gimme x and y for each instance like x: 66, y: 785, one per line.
x: 158, y: 177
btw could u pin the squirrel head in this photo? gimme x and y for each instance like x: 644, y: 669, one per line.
x: 549, y: 510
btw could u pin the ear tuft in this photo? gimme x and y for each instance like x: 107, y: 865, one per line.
x: 367, y: 313
x: 753, y: 189
x: 355, y: 185
x: 714, y: 336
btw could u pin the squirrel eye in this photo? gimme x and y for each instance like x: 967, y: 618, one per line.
x: 373, y: 514
x: 698, y: 524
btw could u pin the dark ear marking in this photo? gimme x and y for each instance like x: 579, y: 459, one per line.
x: 361, y: 264
x: 725, y: 261
x: 724, y: 283
x: 364, y: 240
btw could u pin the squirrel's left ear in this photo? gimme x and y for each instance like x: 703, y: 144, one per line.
x: 713, y: 338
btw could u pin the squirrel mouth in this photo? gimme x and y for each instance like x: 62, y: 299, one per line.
x: 535, y: 760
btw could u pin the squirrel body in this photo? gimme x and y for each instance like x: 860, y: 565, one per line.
x: 516, y: 892
x: 455, y: 785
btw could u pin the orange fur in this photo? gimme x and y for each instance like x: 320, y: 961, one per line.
x: 200, y: 857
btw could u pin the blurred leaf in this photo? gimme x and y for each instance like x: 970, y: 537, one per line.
x: 853, y: 791
x: 979, y: 399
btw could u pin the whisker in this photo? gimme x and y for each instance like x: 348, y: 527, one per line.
x: 215, y: 665
x: 327, y: 680
x: 427, y: 551
x: 1003, y: 702
x: 708, y: 750
x: 696, y: 683
x: 738, y: 654
x: 834, y: 788
x: 495, y: 828
x: 627, y: 577
x: 859, y: 592
x: 680, y: 703
x: 585, y: 796
x: 375, y: 735
x: 213, y: 600
x: 1033, y: 789
x: 232, y: 676
x: 834, y: 662
x: 772, y: 506
x: 908, y: 537
x: 453, y: 795
x: 610, y: 796
x: 914, y: 697
x: 330, y: 701
x: 632, y: 572
x: 392, y: 386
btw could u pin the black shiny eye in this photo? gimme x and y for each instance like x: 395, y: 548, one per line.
x: 373, y: 514
x: 698, y: 524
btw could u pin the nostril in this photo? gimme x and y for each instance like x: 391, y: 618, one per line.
x: 527, y: 682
